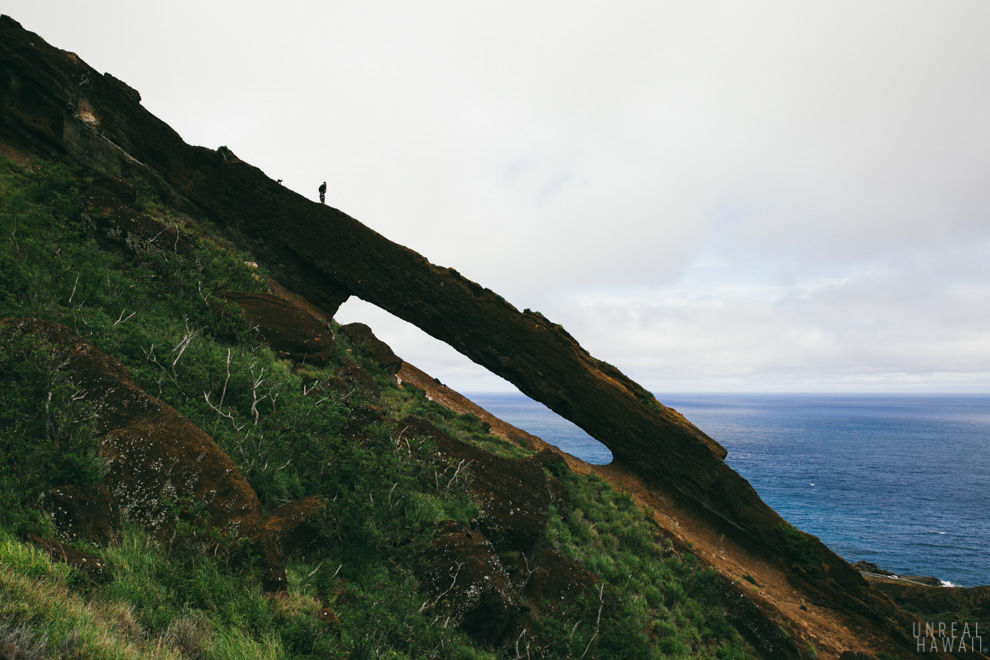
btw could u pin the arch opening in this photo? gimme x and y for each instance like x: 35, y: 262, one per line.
x: 473, y: 381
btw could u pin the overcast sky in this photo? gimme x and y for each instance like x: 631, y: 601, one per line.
x: 713, y: 196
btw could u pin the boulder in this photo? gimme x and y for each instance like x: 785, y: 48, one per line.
x: 513, y: 494
x: 84, y: 511
x: 466, y: 584
x: 291, y: 331
x: 380, y: 352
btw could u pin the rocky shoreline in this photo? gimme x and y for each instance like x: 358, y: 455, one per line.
x: 931, y: 599
x: 873, y: 572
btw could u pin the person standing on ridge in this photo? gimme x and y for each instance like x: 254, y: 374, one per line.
x: 323, y: 193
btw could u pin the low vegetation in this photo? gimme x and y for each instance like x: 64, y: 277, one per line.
x: 293, y: 431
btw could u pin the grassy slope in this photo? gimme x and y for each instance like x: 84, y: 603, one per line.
x: 290, y: 431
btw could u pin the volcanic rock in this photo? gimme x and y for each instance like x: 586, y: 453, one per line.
x: 84, y: 511
x: 380, y: 352
x: 291, y: 331
x: 465, y: 582
x: 513, y: 494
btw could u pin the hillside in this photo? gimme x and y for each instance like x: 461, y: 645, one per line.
x: 200, y: 462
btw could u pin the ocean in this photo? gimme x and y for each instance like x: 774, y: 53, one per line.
x: 902, y: 480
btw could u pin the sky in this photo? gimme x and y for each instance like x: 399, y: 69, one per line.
x: 712, y: 196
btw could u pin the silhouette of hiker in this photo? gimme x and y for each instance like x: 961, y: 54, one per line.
x: 323, y: 193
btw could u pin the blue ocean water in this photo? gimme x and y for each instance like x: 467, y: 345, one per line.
x: 902, y: 481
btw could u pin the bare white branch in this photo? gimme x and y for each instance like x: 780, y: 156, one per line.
x: 121, y: 319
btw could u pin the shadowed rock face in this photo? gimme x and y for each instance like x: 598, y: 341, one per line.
x: 292, y: 332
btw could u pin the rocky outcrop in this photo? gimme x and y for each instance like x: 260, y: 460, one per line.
x: 871, y: 570
x: 933, y: 604
x: 54, y: 103
x: 292, y: 332
x: 512, y: 494
x: 161, y: 466
x: 380, y: 352
x: 467, y: 585
x: 85, y: 511
x: 491, y: 578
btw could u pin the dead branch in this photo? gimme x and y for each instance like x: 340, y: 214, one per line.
x: 183, y: 345
x: 598, y: 621
x: 121, y: 319
x: 71, y: 295
x: 460, y: 466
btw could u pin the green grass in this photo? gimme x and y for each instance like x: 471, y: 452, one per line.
x: 664, y: 604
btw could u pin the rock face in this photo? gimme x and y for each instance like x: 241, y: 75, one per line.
x: 468, y: 584
x: 160, y: 464
x: 292, y: 332
x: 513, y: 494
x: 87, y: 511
